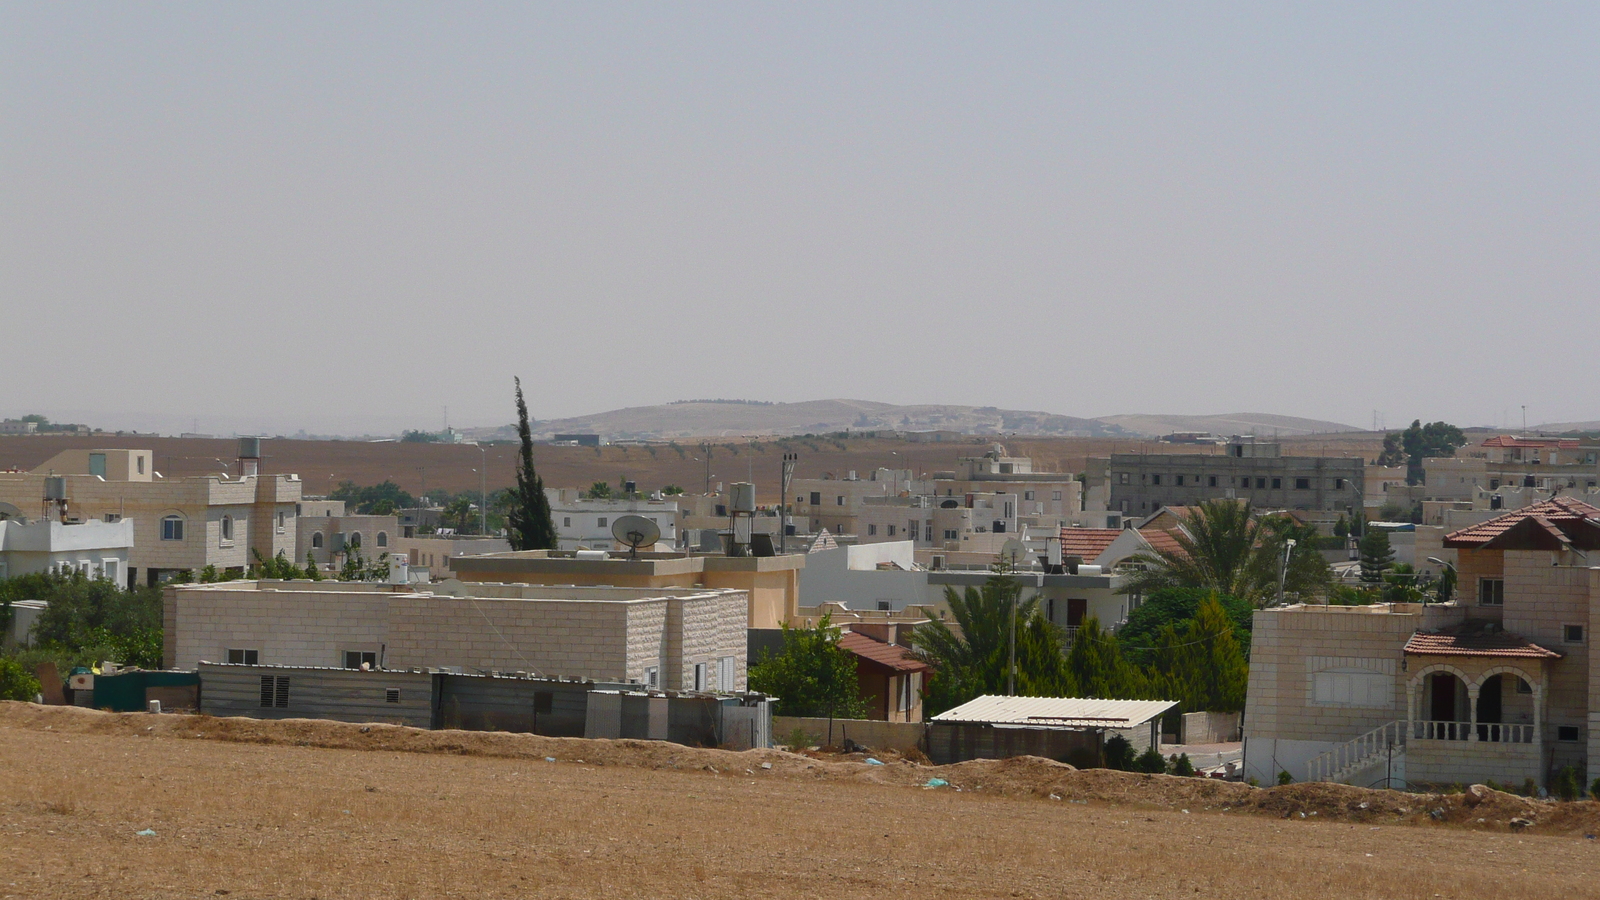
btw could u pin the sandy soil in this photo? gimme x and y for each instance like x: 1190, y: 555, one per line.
x: 314, y: 809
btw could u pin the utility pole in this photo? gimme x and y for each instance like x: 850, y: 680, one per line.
x: 783, y: 500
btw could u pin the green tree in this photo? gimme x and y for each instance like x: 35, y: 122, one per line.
x: 600, y: 490
x: 312, y: 571
x: 90, y: 619
x: 1392, y: 454
x: 1150, y: 761
x: 419, y: 437
x: 1422, y: 441
x: 36, y: 419
x: 811, y: 675
x: 530, y: 522
x: 1377, y: 556
x: 671, y: 490
x: 1177, y: 607
x: 1202, y: 666
x: 461, y: 514
x: 16, y: 682
x: 1223, y: 547
x: 971, y: 659
x: 1341, y: 528
x: 1098, y: 667
x: 367, y: 501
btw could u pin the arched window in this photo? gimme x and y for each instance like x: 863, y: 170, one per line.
x: 172, y: 528
x: 227, y: 528
x: 383, y: 539
x: 355, y: 539
x: 316, y: 540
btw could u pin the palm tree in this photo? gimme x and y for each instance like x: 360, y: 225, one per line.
x: 1223, y: 547
x: 971, y: 660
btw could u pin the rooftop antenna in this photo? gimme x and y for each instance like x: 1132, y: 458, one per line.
x: 636, y: 532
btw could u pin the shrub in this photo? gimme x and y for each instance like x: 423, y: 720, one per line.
x: 1285, y: 778
x: 16, y: 682
x: 1567, y: 785
x: 1151, y: 761
x: 1182, y: 766
x: 1594, y: 789
x: 797, y: 740
x: 1530, y: 788
x: 1119, y: 753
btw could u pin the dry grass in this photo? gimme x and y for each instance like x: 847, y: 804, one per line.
x: 637, y: 820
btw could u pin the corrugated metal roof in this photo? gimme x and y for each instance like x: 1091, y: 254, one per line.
x: 1055, y: 712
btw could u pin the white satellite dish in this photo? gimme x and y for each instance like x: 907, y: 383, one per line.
x: 1012, y: 552
x: 635, y: 532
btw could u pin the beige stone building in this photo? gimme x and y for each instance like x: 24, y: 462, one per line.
x: 1499, y: 683
x: 180, y: 524
x: 771, y: 583
x: 674, y: 640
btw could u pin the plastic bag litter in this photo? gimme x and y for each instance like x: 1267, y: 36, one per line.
x: 936, y: 782
x: 874, y: 762
x: 148, y: 832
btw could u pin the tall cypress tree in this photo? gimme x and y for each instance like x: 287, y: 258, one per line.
x: 532, y: 526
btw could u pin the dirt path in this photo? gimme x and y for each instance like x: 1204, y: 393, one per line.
x: 249, y: 813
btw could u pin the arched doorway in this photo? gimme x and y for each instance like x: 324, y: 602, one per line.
x: 1446, y: 702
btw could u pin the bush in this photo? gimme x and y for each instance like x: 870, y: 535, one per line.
x: 16, y: 682
x: 1119, y: 753
x: 1285, y: 778
x: 1567, y: 785
x: 1182, y: 766
x: 1594, y: 789
x: 1151, y: 761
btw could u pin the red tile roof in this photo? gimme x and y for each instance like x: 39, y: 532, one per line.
x: 1087, y: 543
x: 890, y: 656
x: 1481, y: 643
x: 1511, y: 440
x: 1161, y: 540
x: 1557, y: 518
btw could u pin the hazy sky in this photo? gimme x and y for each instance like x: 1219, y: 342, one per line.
x: 345, y: 216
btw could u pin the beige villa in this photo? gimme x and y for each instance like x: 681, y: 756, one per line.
x: 1497, y: 684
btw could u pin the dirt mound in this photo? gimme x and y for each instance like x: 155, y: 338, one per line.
x: 1022, y: 776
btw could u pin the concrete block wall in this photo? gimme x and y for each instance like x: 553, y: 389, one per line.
x: 551, y: 637
x: 287, y: 628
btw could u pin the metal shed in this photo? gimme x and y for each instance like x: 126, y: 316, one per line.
x: 551, y: 707
x: 1070, y: 729
x: 300, y: 692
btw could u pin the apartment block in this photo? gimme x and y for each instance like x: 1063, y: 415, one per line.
x: 1244, y: 469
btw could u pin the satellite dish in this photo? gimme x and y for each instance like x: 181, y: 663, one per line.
x: 1012, y: 552
x: 636, y: 532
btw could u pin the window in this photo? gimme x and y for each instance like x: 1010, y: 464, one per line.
x: 950, y: 534
x: 839, y: 501
x: 885, y: 605
x: 816, y: 498
x: 1055, y: 495
x: 391, y: 695
x: 1524, y: 687
x: 1122, y: 477
x: 1302, y: 484
x: 1155, y: 480
x: 1567, y: 733
x: 355, y: 659
x: 1180, y: 481
x: 1027, y: 495
x: 891, y: 531
x: 1277, y: 484
x: 1572, y: 634
x: 355, y: 540
x: 227, y: 529
x: 1211, y: 481
x: 1261, y: 483
x: 172, y: 528
x: 139, y: 461
x: 97, y: 464
x: 652, y: 676
x: 383, y: 539
x: 727, y: 670
x: 566, y: 521
x: 1491, y: 592
x: 543, y: 702
x: 1338, y: 484
x: 282, y: 517
x: 275, y: 691
x: 1352, y: 688
x: 244, y: 657
x: 872, y: 530
x: 316, y: 540
x: 113, y: 518
x: 699, y: 676
x: 600, y: 522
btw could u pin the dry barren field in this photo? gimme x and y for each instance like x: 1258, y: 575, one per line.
x: 249, y: 809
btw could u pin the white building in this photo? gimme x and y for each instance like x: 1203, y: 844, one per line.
x: 97, y: 549
x: 586, y: 524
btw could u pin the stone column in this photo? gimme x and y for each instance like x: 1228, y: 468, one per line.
x: 1411, y: 709
x: 1472, y: 712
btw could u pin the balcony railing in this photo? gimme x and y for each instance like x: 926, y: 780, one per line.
x: 1489, y: 732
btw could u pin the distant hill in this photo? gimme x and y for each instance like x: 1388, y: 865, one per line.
x: 1226, y: 424
x: 697, y: 419
x: 1563, y: 428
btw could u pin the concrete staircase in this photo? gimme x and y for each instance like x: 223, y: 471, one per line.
x: 1353, y: 758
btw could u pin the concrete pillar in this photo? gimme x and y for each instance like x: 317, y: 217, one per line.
x: 1411, y: 709
x: 1472, y: 712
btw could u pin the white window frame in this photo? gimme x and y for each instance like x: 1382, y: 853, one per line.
x: 242, y: 657
x: 701, y: 676
x: 1493, y: 596
x: 176, y: 529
